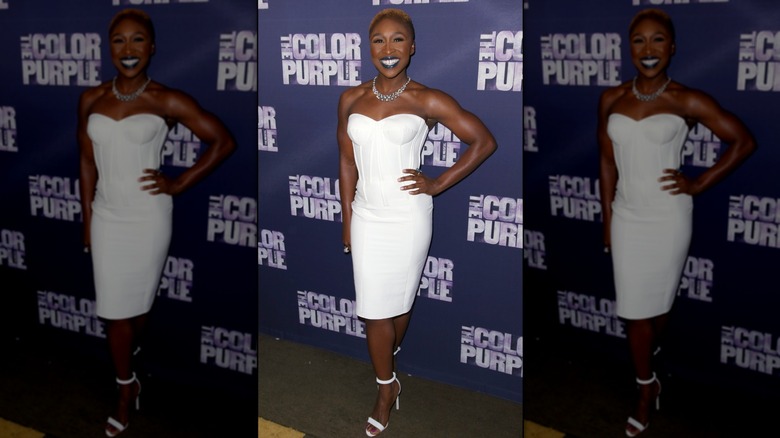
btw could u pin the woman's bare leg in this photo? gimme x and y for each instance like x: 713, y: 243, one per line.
x: 401, y: 323
x: 382, y: 339
x: 122, y: 335
x: 643, y: 335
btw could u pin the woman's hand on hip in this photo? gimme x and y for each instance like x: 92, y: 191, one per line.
x: 418, y: 183
x: 676, y: 183
x: 155, y: 182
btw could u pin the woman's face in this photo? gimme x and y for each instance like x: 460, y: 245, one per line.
x: 391, y: 46
x: 131, y: 47
x: 651, y: 47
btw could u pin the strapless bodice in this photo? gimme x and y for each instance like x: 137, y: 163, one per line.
x: 643, y: 149
x: 123, y: 149
x: 383, y: 148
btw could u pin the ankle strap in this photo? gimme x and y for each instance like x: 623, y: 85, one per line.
x: 130, y: 380
x: 386, y: 382
x: 646, y: 382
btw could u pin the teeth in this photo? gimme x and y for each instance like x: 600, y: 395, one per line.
x: 130, y: 62
x: 389, y: 62
x: 650, y: 62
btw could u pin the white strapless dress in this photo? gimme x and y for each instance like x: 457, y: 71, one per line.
x: 650, y: 229
x: 130, y: 229
x: 390, y: 229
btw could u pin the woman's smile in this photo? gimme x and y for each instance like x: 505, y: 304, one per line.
x: 389, y: 62
x: 130, y: 61
x: 649, y: 61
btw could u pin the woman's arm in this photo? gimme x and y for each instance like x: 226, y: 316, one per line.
x: 183, y: 109
x: 608, y: 174
x: 468, y: 128
x: 728, y: 128
x: 87, y: 169
x: 348, y: 173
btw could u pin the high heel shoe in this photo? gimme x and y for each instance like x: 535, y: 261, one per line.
x: 639, y: 427
x: 379, y: 428
x: 119, y: 427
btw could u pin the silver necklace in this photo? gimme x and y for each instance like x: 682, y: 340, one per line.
x: 132, y: 96
x: 651, y: 96
x: 388, y: 97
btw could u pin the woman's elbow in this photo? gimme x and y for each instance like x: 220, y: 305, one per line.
x: 745, y: 148
x: 751, y: 146
x: 228, y: 147
x: 490, y: 146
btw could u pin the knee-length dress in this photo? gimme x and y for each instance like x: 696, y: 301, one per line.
x: 130, y: 229
x: 650, y: 228
x: 390, y: 229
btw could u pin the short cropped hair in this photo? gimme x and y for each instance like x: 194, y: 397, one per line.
x: 136, y: 15
x: 395, y: 14
x: 653, y: 14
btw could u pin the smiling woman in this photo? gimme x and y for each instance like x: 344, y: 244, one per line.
x: 386, y: 199
x: 646, y: 200
x: 126, y: 200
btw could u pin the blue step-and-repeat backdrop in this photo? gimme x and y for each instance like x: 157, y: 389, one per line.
x: 724, y: 327
x: 466, y: 327
x: 203, y: 325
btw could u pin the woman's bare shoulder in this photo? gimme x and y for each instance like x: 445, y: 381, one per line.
x: 90, y: 95
x: 351, y: 95
x: 356, y: 91
x: 616, y: 92
x: 431, y: 98
x: 611, y: 96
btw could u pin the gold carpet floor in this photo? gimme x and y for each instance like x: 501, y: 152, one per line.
x: 265, y: 429
x: 13, y: 430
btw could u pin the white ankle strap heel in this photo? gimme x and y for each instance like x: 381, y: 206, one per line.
x: 650, y: 381
x: 388, y: 382
x: 372, y: 422
x: 639, y: 427
x: 119, y: 427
